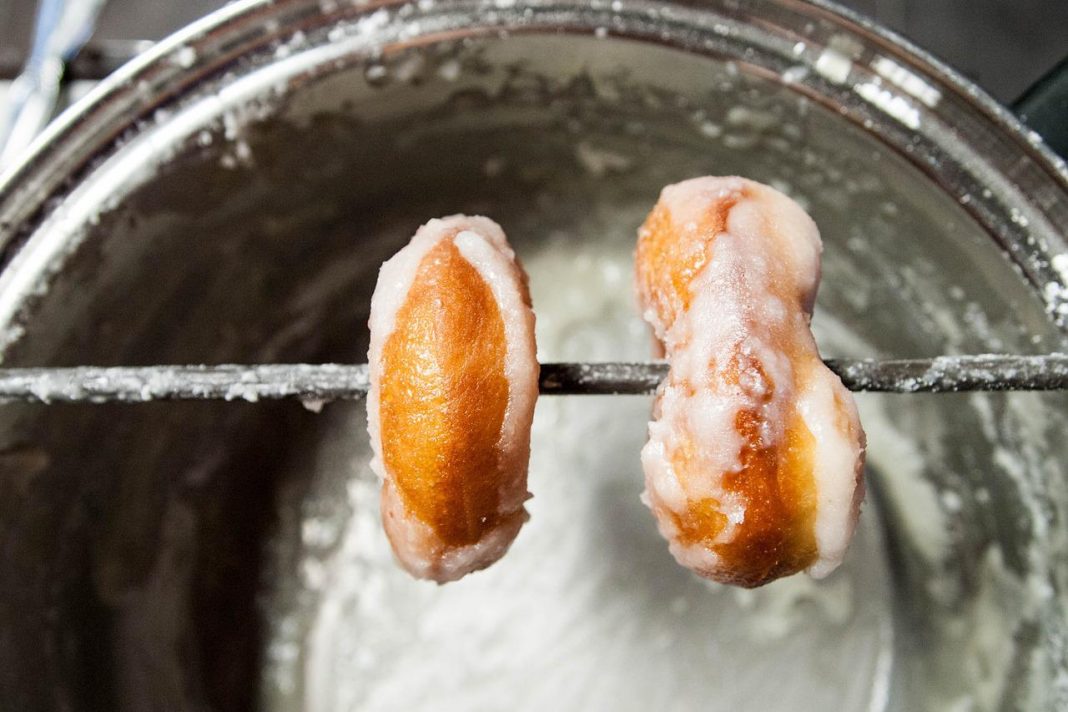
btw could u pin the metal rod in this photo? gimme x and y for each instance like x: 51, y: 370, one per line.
x: 319, y: 383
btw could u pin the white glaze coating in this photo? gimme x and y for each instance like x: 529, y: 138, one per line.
x: 744, y: 302
x: 483, y: 244
x: 496, y: 264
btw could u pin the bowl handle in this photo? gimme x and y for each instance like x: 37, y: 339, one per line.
x: 1044, y: 108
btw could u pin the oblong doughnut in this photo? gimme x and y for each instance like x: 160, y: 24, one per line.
x: 454, y: 379
x: 755, y: 455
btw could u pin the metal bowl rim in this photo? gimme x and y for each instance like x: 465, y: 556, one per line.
x: 65, y: 151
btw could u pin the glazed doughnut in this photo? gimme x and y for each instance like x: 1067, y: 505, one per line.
x: 454, y: 378
x: 754, y: 461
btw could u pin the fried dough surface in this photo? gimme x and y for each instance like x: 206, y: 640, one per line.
x: 453, y: 383
x: 755, y: 453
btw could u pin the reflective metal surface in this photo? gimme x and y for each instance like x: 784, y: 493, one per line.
x: 1003, y: 46
x: 230, y: 196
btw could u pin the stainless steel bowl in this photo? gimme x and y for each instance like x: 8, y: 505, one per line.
x: 229, y: 196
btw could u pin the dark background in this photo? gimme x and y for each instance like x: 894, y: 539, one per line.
x: 1004, y: 45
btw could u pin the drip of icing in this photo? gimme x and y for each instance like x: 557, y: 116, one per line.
x: 755, y: 449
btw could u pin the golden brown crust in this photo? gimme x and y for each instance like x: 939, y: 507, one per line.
x: 667, y: 261
x: 443, y: 399
x: 775, y: 483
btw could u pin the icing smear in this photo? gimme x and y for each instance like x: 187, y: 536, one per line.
x: 746, y: 388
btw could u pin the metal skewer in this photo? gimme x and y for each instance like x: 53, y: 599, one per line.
x: 326, y: 382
